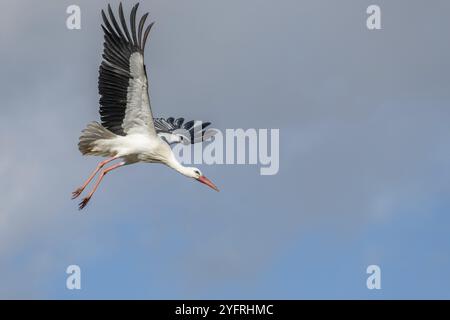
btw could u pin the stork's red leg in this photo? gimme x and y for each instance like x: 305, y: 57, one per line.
x: 77, y: 192
x: 102, y: 174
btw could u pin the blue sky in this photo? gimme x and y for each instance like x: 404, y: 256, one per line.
x: 364, y: 154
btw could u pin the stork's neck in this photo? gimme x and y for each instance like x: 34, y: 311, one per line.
x: 174, y: 164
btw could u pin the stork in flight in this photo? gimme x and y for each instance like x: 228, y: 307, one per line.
x: 128, y: 131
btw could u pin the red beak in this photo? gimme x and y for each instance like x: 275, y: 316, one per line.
x: 208, y: 182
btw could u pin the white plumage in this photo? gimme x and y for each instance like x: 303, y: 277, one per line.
x: 128, y: 131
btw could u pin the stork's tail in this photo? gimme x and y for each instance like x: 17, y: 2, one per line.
x: 93, y: 132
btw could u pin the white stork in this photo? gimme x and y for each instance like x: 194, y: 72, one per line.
x: 128, y: 131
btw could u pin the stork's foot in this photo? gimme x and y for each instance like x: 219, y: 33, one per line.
x: 76, y: 193
x: 83, y: 203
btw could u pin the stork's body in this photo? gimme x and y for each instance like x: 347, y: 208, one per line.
x: 128, y: 130
x: 132, y: 148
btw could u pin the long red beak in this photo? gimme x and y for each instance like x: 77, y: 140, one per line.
x: 208, y: 182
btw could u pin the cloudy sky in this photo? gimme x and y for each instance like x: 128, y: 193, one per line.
x: 364, y: 153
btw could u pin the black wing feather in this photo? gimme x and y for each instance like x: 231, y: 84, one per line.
x: 147, y: 31
x: 124, y: 23
x: 196, y: 129
x: 116, y: 29
x: 133, y: 24
x: 140, y: 29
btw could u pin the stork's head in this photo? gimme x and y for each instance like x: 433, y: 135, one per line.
x: 197, y: 174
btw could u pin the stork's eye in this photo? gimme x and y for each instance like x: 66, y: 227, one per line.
x: 197, y: 172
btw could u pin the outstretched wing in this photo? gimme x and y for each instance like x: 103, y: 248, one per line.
x: 124, y: 102
x: 176, y: 130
